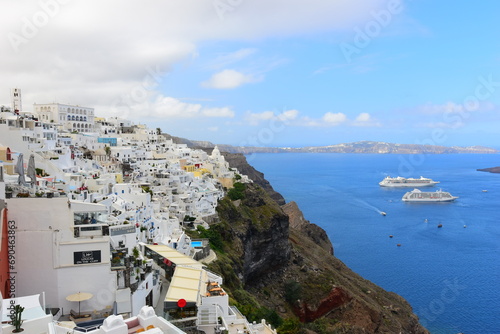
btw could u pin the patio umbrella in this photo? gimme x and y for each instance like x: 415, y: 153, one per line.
x: 20, y: 170
x: 32, y: 170
x: 79, y: 297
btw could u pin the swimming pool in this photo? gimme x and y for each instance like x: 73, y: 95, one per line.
x: 196, y: 244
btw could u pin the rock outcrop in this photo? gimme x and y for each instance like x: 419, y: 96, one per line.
x: 490, y: 170
x: 312, y: 231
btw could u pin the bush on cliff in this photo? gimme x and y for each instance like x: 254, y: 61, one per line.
x: 213, y: 236
x: 237, y: 192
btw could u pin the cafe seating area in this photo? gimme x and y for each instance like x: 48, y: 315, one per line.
x: 213, y: 289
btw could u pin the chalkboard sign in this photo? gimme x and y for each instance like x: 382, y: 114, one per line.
x: 86, y: 257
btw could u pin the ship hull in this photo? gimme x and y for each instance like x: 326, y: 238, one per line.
x: 418, y: 196
x: 415, y: 200
x: 402, y: 182
x: 406, y: 185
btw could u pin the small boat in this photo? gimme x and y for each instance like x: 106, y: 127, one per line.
x: 426, y: 220
x: 485, y: 191
x: 383, y: 213
x: 399, y: 245
x: 391, y: 236
x: 440, y: 225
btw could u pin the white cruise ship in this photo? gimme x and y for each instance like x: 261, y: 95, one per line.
x: 404, y: 182
x: 432, y: 196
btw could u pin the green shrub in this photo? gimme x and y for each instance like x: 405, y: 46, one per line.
x: 293, y: 291
x: 290, y: 326
x: 237, y: 192
x: 213, y: 236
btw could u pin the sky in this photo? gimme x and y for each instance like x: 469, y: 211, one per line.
x: 265, y: 72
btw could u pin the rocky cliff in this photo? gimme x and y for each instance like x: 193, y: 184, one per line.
x: 277, y: 264
x: 490, y: 170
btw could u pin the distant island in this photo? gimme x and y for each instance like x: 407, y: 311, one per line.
x: 490, y: 170
x: 356, y: 147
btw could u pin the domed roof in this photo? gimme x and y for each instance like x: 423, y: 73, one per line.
x: 100, y: 151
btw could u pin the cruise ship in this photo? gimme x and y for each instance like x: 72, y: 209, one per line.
x: 420, y: 196
x: 404, y: 182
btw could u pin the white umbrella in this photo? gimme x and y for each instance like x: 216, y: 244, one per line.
x: 79, y: 297
x: 32, y: 170
x: 20, y: 170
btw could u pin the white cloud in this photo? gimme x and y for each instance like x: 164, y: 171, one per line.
x: 442, y: 125
x: 334, y: 118
x: 228, y: 59
x: 449, y: 107
x: 363, y: 117
x: 306, y: 121
x: 284, y: 117
x: 463, y: 110
x: 82, y: 52
x: 292, y: 117
x: 218, y: 112
x: 228, y: 79
x: 256, y: 118
x: 167, y: 107
x: 366, y: 120
x: 288, y: 115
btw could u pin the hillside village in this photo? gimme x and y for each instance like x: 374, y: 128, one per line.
x: 94, y: 215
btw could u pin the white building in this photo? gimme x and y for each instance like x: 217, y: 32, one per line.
x: 72, y: 258
x: 71, y: 117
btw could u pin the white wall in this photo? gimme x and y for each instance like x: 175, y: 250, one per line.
x: 139, y: 296
x: 44, y: 255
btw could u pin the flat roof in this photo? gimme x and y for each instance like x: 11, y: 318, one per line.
x: 189, y: 279
x: 174, y: 256
x: 187, y: 283
x: 79, y: 207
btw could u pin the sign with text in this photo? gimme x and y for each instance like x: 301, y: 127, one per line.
x: 122, y: 230
x: 87, y: 257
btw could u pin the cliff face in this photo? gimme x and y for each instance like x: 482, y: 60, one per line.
x: 255, y: 227
x: 287, y: 263
x: 299, y: 224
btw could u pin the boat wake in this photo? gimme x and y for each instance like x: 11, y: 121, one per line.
x: 367, y: 205
x: 351, y: 198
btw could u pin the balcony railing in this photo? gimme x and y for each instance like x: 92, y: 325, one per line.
x: 90, y: 231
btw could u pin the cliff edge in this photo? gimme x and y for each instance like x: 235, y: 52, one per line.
x: 278, y: 265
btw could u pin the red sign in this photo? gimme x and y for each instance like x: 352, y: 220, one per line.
x: 181, y: 303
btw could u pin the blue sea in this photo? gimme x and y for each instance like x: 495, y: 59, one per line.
x: 449, y: 275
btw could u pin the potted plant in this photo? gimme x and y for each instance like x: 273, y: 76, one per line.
x: 8, y: 192
x: 135, y: 252
x: 16, y: 319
